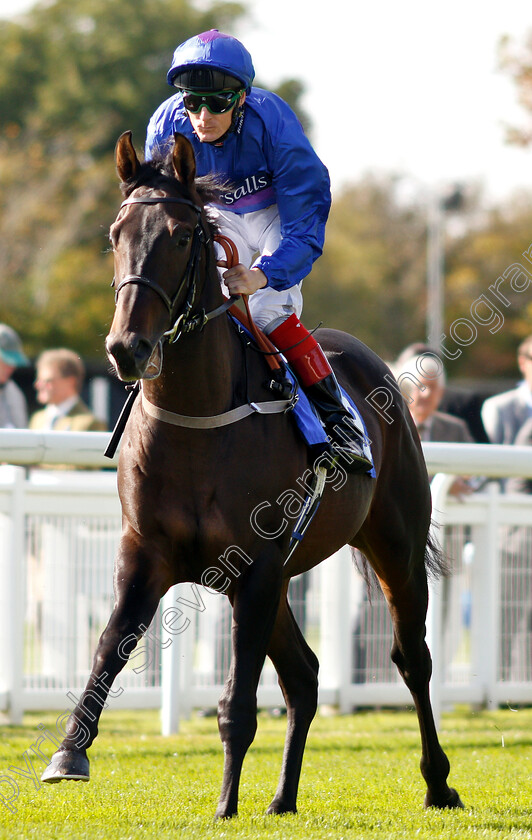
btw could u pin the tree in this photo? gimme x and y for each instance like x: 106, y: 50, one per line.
x: 370, y: 280
x: 489, y: 283
x: 89, y: 69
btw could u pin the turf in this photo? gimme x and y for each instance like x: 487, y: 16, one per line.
x: 360, y: 779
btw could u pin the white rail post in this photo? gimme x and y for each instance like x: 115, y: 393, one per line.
x: 439, y: 487
x: 335, y: 626
x: 486, y: 604
x: 171, y: 668
x: 16, y: 560
x: 7, y: 612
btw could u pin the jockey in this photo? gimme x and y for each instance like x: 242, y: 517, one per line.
x: 274, y: 207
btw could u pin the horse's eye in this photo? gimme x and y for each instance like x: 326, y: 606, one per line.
x: 183, y: 240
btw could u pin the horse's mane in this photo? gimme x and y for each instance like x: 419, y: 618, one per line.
x: 159, y: 173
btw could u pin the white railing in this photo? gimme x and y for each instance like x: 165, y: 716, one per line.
x: 80, y: 449
x: 58, y: 535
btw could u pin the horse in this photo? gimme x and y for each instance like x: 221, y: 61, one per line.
x: 198, y: 457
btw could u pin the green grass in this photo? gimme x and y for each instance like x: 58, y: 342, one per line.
x: 360, y: 779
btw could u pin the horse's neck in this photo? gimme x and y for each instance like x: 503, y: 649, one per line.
x: 201, y: 371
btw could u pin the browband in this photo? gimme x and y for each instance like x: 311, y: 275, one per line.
x: 163, y: 199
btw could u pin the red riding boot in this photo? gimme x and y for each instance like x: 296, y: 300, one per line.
x: 308, y: 362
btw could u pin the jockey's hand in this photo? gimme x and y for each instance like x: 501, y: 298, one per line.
x: 244, y: 281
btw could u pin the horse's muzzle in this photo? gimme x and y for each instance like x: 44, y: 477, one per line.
x: 131, y: 357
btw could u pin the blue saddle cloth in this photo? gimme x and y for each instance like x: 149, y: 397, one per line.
x: 307, y: 419
x: 311, y: 427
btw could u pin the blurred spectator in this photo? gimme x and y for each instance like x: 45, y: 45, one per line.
x: 457, y: 401
x: 422, y: 382
x: 13, y: 406
x: 59, y: 380
x: 504, y: 414
x: 417, y: 348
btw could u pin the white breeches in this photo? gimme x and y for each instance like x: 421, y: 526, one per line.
x: 258, y: 234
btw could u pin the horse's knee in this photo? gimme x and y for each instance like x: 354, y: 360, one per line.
x: 414, y: 664
x: 237, y: 721
x: 301, y: 694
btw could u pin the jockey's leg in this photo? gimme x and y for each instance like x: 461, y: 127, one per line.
x: 281, y: 309
x: 310, y: 365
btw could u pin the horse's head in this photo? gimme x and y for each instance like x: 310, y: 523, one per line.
x: 158, y: 238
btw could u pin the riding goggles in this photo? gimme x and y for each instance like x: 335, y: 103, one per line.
x: 216, y: 103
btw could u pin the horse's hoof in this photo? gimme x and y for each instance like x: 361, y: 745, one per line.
x: 221, y: 815
x: 451, y: 800
x: 277, y: 806
x: 67, y: 765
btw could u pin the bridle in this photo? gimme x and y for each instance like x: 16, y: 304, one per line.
x: 184, y: 322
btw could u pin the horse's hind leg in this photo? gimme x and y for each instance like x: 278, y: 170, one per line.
x: 297, y: 668
x: 137, y: 593
x: 407, y: 597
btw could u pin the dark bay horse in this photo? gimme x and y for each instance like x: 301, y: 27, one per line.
x: 188, y: 493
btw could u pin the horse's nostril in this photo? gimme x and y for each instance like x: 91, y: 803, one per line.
x: 129, y: 356
x: 142, y: 351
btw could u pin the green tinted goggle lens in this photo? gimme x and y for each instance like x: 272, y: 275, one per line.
x: 215, y: 103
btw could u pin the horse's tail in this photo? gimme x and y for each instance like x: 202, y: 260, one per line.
x: 437, y: 564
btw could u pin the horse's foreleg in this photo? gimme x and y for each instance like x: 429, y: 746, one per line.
x: 297, y: 668
x: 255, y: 603
x: 137, y: 594
x: 408, y: 607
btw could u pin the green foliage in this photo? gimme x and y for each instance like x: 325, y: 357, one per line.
x: 74, y: 74
x: 371, y: 278
x: 360, y: 779
x: 91, y: 67
x: 476, y: 261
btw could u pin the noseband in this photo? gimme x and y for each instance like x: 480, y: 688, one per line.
x: 185, y: 322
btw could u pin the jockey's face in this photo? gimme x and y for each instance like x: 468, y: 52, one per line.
x: 210, y: 127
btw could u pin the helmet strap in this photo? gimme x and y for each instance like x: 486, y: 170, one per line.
x: 237, y: 122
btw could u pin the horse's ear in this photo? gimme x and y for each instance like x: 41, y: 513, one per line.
x: 184, y: 160
x: 127, y: 162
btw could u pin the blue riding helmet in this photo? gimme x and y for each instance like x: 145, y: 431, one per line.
x: 211, y: 61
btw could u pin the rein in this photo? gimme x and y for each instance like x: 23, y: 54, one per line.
x: 186, y: 322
